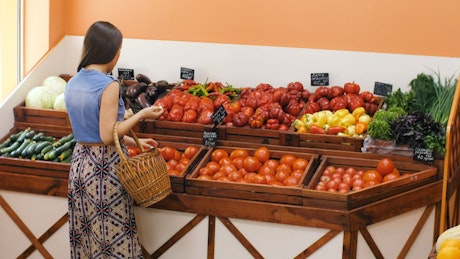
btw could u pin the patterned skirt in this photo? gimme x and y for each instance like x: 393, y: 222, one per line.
x: 101, y: 213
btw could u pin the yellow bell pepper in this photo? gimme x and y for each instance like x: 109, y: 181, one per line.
x: 358, y: 112
x: 348, y: 120
x: 342, y: 113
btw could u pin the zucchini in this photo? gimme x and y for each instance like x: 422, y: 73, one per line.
x: 30, y: 134
x: 66, y: 153
x: 38, y: 136
x: 46, y: 150
x: 64, y: 147
x: 10, y: 148
x: 26, y: 148
x: 15, y: 136
x: 18, y: 151
x: 47, y: 138
x: 42, y: 145
x: 23, y: 135
x: 50, y: 155
x: 6, y: 143
x: 30, y: 150
x: 67, y: 160
x: 63, y: 140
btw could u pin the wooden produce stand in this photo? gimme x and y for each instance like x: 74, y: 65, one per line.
x: 47, y: 178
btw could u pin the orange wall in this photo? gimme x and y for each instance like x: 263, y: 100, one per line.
x: 422, y: 27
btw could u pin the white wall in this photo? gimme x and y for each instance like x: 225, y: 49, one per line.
x: 240, y: 66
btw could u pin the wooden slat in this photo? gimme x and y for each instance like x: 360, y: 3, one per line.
x: 350, y: 244
x: 371, y: 243
x: 240, y: 237
x: 318, y: 244
x: 415, y: 232
x: 22, y: 226
x: 182, y: 232
x: 55, y: 227
x: 211, y: 236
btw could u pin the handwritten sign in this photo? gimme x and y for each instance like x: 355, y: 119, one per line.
x: 219, y: 115
x: 187, y: 73
x: 382, y: 89
x: 125, y: 74
x: 209, y: 138
x: 319, y: 79
x: 424, y: 155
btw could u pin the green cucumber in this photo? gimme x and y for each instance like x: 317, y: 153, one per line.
x: 65, y: 146
x: 30, y: 150
x: 50, y: 155
x: 66, y: 153
x: 18, y: 151
x: 38, y: 136
x: 63, y: 140
x: 30, y: 134
x: 67, y: 160
x: 47, y: 138
x: 6, y: 143
x: 10, y: 148
x: 23, y: 135
x: 42, y: 145
x: 46, y: 149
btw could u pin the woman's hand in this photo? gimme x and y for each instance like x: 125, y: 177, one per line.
x: 152, y: 112
x: 146, y: 143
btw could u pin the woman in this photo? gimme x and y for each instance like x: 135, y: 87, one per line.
x: 102, y: 223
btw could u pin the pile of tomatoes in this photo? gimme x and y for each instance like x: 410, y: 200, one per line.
x: 344, y: 180
x: 177, y: 161
x: 257, y: 167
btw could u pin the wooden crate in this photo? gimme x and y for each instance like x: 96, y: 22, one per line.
x: 37, y: 167
x: 420, y: 174
x: 251, y: 135
x: 178, y: 181
x: 48, y: 117
x: 333, y: 142
x: 171, y: 128
x: 249, y: 191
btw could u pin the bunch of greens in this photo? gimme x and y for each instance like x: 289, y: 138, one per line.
x: 440, y: 109
x: 419, y: 130
x: 400, y: 99
x: 381, y: 125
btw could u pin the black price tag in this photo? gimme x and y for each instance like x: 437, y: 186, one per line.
x: 422, y: 154
x: 382, y: 89
x: 219, y: 115
x: 187, y: 73
x: 319, y: 79
x: 126, y: 74
x: 209, y: 138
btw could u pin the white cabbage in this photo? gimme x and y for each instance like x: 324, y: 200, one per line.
x: 40, y: 97
x: 59, y: 103
x: 55, y: 84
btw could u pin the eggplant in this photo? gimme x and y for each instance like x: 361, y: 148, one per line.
x: 143, y: 78
x: 143, y: 100
x: 136, y: 89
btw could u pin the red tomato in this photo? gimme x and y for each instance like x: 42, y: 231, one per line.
x: 168, y: 153
x: 291, y: 181
x: 225, y: 160
x: 205, y: 171
x: 190, y: 151
x: 235, y: 176
x: 351, y: 88
x: 252, y: 164
x: 300, y: 163
x: 272, y: 163
x: 174, y: 172
x: 372, y: 176
x: 288, y: 159
x: 213, y: 166
x: 218, y: 154
x: 238, y: 162
x: 385, y: 166
x: 204, y: 177
x: 259, y: 179
x: 239, y: 152
x: 262, y: 154
x: 228, y: 168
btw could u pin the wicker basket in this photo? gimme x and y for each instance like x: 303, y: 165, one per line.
x: 144, y: 176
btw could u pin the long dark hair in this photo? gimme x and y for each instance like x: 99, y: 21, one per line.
x: 101, y: 44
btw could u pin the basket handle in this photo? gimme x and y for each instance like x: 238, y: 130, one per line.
x: 117, y: 141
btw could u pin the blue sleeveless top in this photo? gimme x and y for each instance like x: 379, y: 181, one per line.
x: 83, y: 102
